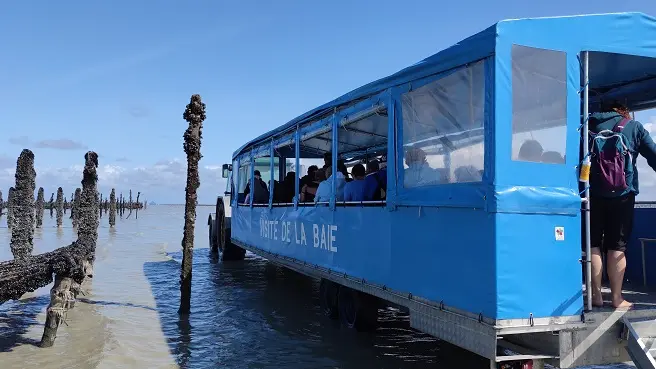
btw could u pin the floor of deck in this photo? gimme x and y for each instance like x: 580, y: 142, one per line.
x: 643, y: 298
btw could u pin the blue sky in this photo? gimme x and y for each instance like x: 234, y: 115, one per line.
x: 115, y: 76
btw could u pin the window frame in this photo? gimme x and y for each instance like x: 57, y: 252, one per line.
x: 459, y: 194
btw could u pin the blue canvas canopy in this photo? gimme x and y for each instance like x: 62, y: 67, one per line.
x: 621, y: 46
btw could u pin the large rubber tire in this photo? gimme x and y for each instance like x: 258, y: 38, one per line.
x: 328, y: 292
x: 357, y: 310
x: 212, y: 234
x: 229, y: 251
x: 220, y: 225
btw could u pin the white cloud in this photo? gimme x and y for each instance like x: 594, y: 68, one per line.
x: 163, y: 182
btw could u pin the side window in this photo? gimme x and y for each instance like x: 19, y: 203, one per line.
x: 539, y: 105
x: 243, y: 176
x: 443, y: 129
x: 231, y: 182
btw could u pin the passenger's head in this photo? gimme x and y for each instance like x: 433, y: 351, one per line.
x: 327, y: 159
x: 531, y: 150
x: 290, y: 177
x: 311, y: 170
x: 341, y: 167
x: 615, y: 106
x: 257, y: 174
x: 415, y: 156
x: 373, y: 166
x: 320, y: 175
x: 328, y: 171
x: 358, y: 172
x: 467, y: 173
x: 552, y: 157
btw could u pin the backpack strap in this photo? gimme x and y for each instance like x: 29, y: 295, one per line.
x: 620, y: 126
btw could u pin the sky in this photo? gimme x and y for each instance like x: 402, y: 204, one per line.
x: 115, y: 76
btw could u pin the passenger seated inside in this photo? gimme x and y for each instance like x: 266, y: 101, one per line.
x: 260, y: 193
x: 612, y: 206
x: 341, y: 167
x: 325, y: 189
x: 289, y: 187
x: 552, y: 157
x: 327, y: 160
x: 310, y: 187
x: 355, y: 190
x: 308, y: 178
x: 419, y: 173
x: 467, y: 173
x: 277, y: 192
x: 531, y: 150
x: 375, y: 182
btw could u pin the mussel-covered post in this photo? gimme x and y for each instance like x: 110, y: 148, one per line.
x: 60, y: 206
x: 194, y: 114
x: 2, y: 204
x: 67, y: 281
x: 87, y: 205
x: 75, y: 207
x: 22, y: 232
x: 112, y: 208
x: 40, y: 204
x: 136, y: 214
x: 100, y: 205
x: 10, y: 207
x: 51, y: 204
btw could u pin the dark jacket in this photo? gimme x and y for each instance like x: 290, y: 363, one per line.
x: 639, y: 142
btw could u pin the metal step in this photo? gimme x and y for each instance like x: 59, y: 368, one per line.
x: 641, y: 335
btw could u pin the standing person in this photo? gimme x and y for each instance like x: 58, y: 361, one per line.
x: 615, y: 142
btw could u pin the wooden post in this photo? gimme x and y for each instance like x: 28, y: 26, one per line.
x: 10, y: 208
x: 86, y: 210
x: 60, y: 206
x: 65, y: 289
x: 195, y: 115
x: 60, y: 295
x: 136, y: 214
x: 75, y: 206
x: 22, y: 232
x: 112, y: 209
x: 2, y: 204
x: 40, y: 203
x: 51, y: 204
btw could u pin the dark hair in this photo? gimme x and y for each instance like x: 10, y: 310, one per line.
x: 320, y: 175
x: 615, y: 106
x: 328, y: 158
x: 373, y: 166
x: 612, y: 105
x: 341, y: 167
x: 531, y: 150
x: 358, y: 170
x: 312, y: 169
x: 257, y: 173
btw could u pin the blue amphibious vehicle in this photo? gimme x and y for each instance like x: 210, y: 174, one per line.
x: 479, y: 231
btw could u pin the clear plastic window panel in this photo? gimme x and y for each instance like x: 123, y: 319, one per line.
x: 263, y: 165
x: 539, y: 105
x: 231, y: 180
x: 363, y: 135
x: 244, y: 177
x: 443, y: 129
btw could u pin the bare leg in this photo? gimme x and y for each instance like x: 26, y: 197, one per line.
x: 596, y: 267
x: 616, y: 267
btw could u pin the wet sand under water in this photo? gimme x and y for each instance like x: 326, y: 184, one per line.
x: 247, y: 314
